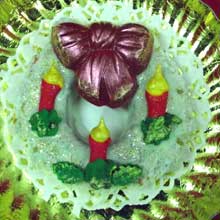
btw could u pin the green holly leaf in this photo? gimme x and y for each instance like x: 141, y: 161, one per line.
x: 53, y: 117
x: 45, y: 123
x: 123, y: 175
x: 156, y: 130
x: 68, y: 172
x: 97, y: 173
x: 52, y: 129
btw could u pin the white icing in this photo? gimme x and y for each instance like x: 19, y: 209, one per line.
x: 35, y: 155
x: 84, y: 116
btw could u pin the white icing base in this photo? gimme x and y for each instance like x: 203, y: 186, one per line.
x: 83, y: 116
x: 19, y: 94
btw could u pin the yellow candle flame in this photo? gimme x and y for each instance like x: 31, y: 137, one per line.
x: 157, y: 85
x: 101, y: 132
x: 53, y: 76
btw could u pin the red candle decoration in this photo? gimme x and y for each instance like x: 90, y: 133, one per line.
x: 51, y: 85
x: 156, y: 94
x: 158, y: 124
x: 99, y: 141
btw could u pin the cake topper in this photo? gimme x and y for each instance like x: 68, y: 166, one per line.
x: 106, y: 59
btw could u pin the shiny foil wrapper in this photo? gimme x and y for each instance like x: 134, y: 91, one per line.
x: 105, y: 58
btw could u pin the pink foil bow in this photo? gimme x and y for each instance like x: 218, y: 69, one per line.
x: 105, y: 58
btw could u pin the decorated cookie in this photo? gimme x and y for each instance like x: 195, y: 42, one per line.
x: 101, y: 109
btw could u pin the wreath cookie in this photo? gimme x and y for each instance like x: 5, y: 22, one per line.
x: 102, y: 111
